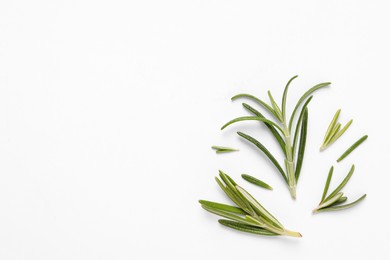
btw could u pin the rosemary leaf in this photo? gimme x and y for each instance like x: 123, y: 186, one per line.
x: 265, y: 151
x: 304, y: 96
x: 299, y: 124
x: 257, y: 100
x: 340, y: 133
x: 275, y: 107
x: 231, y: 187
x: 246, y: 228
x: 345, y: 206
x: 339, y: 201
x: 246, y: 118
x: 233, y: 196
x: 334, y: 131
x: 328, y: 179
x: 256, y: 181
x: 353, y: 147
x: 227, y: 215
x: 329, y: 202
x: 302, y: 145
x: 342, y: 184
x: 284, y: 99
x: 275, y: 133
x: 260, y: 209
x: 331, y: 125
x: 223, y: 149
x: 223, y: 207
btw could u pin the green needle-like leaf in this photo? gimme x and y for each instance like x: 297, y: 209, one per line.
x: 345, y: 206
x: 304, y: 96
x: 340, y: 133
x: 227, y: 215
x: 299, y: 124
x: 331, y: 125
x: 353, y: 147
x: 328, y: 179
x: 246, y: 118
x: 222, y: 207
x: 259, y: 208
x: 334, y: 131
x: 265, y: 151
x: 246, y: 228
x: 257, y: 100
x: 275, y: 107
x: 256, y: 181
x: 275, y: 133
x: 340, y: 201
x: 223, y: 149
x: 231, y: 187
x: 284, y: 99
x: 233, y: 196
x: 302, y: 145
x: 329, y: 202
x: 342, y: 184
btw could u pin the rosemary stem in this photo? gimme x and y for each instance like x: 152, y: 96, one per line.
x: 292, y: 184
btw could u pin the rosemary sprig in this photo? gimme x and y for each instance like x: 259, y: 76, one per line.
x: 336, y: 199
x: 249, y: 215
x: 353, y: 147
x: 222, y: 149
x: 256, y: 181
x: 282, y: 129
x: 333, y: 132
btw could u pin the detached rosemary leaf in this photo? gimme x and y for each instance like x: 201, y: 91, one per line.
x: 304, y: 96
x: 342, y: 184
x: 275, y: 133
x: 257, y: 100
x: 223, y: 149
x: 328, y: 179
x: 223, y: 207
x: 334, y: 131
x: 340, y: 133
x: 284, y: 99
x: 345, y: 206
x: 302, y: 145
x: 265, y: 151
x: 331, y: 125
x: 247, y: 118
x: 246, y: 228
x: 275, y: 107
x: 353, y: 147
x: 256, y: 181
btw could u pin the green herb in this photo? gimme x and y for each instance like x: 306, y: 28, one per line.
x: 333, y: 132
x: 336, y: 199
x: 282, y: 130
x: 353, y: 147
x: 256, y: 181
x: 249, y: 215
x: 222, y: 149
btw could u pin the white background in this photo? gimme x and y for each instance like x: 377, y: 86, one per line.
x: 108, y: 110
